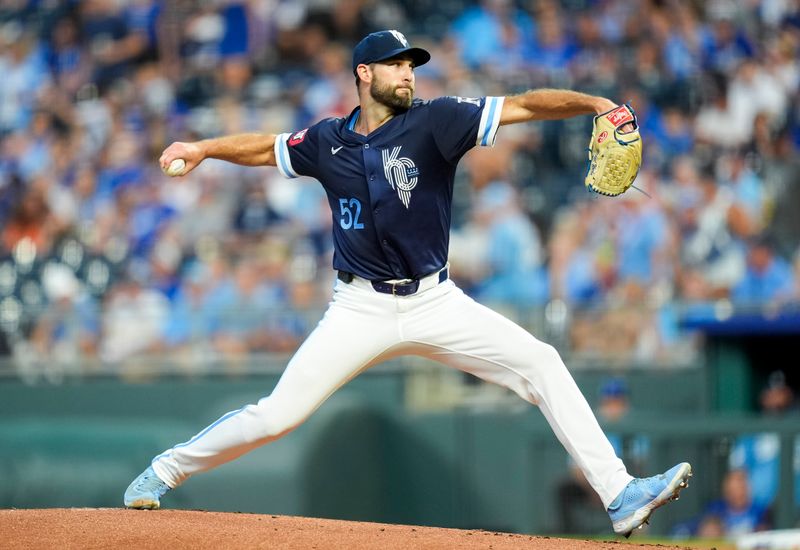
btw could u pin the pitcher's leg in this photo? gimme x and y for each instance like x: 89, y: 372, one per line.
x: 335, y: 352
x: 461, y: 333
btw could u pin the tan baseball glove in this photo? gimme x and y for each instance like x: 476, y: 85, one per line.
x: 614, y: 156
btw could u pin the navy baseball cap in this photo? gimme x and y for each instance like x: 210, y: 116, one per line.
x: 382, y: 45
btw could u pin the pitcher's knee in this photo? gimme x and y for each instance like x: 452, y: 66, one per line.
x: 552, y: 357
x: 542, y: 361
x: 544, y: 356
x: 271, y: 420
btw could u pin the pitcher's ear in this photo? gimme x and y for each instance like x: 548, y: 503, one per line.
x: 363, y: 72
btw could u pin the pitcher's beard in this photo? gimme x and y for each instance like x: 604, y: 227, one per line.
x: 387, y: 95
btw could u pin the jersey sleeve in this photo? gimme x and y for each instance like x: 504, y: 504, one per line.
x: 460, y: 123
x: 296, y: 154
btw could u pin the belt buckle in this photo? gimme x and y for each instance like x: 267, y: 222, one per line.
x: 399, y: 284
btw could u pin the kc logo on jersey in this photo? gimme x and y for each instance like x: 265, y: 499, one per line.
x: 401, y: 173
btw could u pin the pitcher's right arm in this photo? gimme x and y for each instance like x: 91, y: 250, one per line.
x: 245, y: 149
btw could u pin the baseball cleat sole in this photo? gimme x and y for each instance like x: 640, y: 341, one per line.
x: 671, y: 492
x: 144, y: 505
x: 145, y: 492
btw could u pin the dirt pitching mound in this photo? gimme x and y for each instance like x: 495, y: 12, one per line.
x: 94, y: 528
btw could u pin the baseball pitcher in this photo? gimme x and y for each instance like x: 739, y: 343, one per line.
x: 388, y: 171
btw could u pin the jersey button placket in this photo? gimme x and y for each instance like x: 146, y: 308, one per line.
x: 373, y: 166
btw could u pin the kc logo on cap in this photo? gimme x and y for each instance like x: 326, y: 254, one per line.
x: 400, y: 38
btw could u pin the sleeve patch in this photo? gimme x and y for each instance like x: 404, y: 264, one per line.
x: 473, y: 100
x: 298, y: 137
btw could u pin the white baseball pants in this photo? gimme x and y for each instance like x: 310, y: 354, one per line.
x: 362, y: 328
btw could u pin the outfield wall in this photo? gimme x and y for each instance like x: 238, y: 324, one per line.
x: 370, y: 453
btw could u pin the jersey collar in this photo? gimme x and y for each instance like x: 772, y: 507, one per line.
x: 352, y: 119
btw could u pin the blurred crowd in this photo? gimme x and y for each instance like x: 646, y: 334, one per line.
x: 102, y: 256
x: 748, y: 492
x: 747, y: 497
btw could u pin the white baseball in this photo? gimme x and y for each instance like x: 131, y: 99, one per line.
x: 176, y: 168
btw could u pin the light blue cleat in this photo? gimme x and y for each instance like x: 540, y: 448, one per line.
x: 632, y: 508
x: 146, y: 491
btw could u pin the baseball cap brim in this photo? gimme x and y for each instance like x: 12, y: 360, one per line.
x: 418, y: 56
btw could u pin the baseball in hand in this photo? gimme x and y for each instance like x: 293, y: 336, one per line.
x: 175, y: 168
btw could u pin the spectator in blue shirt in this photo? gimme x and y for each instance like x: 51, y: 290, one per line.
x: 729, y: 45
x: 25, y: 74
x: 768, y: 277
x: 730, y: 516
x: 759, y: 454
x: 516, y: 274
x: 642, y: 238
x: 552, y: 50
x: 736, y: 510
x: 493, y: 34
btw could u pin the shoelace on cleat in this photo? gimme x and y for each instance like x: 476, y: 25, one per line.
x: 150, y: 484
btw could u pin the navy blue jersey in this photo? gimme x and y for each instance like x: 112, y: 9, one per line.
x: 390, y: 192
